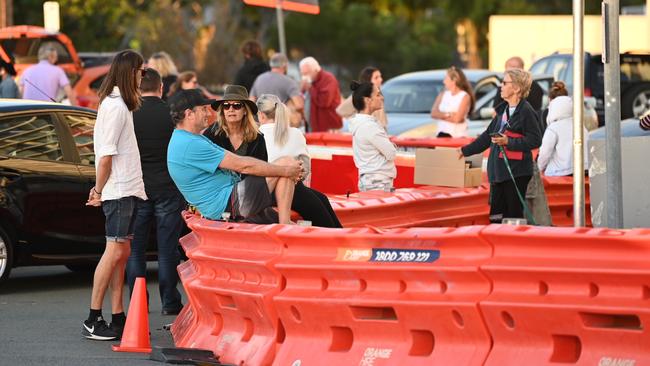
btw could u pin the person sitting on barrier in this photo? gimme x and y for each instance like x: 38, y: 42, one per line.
x: 283, y: 140
x: 515, y: 130
x: 556, y: 152
x: 205, y: 173
x: 453, y: 105
x: 374, y: 153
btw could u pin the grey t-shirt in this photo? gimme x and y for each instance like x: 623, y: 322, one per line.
x: 280, y: 85
x: 8, y: 88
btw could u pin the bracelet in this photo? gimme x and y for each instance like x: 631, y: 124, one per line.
x: 94, y: 190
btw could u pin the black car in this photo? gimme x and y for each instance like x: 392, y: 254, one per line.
x: 635, y: 80
x: 46, y: 171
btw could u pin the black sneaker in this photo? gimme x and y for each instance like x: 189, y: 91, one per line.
x: 118, y: 328
x: 98, y: 330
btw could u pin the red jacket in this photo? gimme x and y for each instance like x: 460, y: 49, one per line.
x: 324, y: 97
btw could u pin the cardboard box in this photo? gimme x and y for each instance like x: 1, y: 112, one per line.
x: 441, y: 167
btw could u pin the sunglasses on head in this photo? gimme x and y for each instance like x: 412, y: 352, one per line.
x: 235, y: 106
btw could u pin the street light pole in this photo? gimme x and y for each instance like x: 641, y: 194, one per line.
x: 281, y: 36
x: 578, y: 102
x: 613, y: 161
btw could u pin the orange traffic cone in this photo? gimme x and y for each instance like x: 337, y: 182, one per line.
x: 135, y: 337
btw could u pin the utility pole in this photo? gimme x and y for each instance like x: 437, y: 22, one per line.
x: 6, y: 13
x: 281, y: 36
x: 613, y: 160
x: 578, y: 102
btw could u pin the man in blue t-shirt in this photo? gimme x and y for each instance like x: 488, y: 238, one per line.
x: 206, y: 174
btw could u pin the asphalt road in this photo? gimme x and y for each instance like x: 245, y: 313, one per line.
x: 41, y: 310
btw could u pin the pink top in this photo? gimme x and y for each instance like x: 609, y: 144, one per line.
x: 46, y: 77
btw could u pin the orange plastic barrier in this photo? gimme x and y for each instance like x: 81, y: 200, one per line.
x: 340, y: 176
x: 475, y: 295
x: 345, y: 140
x: 559, y: 191
x: 399, y: 297
x: 230, y: 284
x: 568, y: 296
x: 410, y: 207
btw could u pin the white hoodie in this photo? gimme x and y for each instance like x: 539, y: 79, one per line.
x: 556, y: 153
x: 374, y: 153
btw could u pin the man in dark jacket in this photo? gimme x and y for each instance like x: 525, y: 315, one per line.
x: 534, y: 96
x: 253, y: 66
x: 153, y: 129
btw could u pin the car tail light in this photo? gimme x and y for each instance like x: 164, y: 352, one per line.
x: 588, y: 92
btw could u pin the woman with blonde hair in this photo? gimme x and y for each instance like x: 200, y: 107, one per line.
x: 513, y: 132
x: 163, y: 63
x: 283, y: 140
x: 453, y: 105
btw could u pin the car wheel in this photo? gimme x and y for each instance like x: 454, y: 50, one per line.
x: 6, y: 255
x: 636, y: 102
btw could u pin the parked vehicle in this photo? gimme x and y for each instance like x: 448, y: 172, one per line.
x: 483, y: 113
x: 635, y: 80
x: 408, y: 98
x: 22, y: 43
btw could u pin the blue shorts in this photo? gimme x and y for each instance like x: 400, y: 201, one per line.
x: 120, y: 216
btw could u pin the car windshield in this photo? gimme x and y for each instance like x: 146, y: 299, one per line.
x: 25, y: 50
x: 411, y: 96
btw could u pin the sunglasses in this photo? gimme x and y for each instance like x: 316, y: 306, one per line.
x: 142, y: 72
x: 235, y: 106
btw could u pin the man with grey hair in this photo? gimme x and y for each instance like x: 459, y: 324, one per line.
x: 324, y: 96
x: 44, y: 80
x: 277, y: 82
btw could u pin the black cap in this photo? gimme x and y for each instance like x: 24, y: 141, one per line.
x: 187, y: 99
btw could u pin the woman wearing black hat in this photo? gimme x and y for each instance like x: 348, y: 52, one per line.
x: 237, y: 131
x: 8, y: 87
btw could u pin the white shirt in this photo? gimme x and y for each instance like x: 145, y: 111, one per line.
x: 450, y: 104
x: 556, y: 152
x: 114, y: 136
x: 373, y: 151
x: 294, y: 146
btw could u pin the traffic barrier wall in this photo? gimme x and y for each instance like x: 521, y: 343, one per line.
x: 559, y: 191
x: 340, y: 176
x: 395, y: 297
x: 230, y: 285
x: 345, y: 140
x: 572, y: 296
x: 411, y: 207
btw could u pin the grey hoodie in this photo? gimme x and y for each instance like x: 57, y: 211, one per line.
x: 374, y: 153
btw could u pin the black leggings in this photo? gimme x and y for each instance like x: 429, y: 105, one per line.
x: 504, y: 202
x: 314, y: 206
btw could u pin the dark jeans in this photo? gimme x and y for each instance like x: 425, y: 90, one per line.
x: 314, y: 206
x: 504, y: 202
x: 166, y: 209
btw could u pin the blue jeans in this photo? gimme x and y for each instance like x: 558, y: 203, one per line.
x: 166, y: 209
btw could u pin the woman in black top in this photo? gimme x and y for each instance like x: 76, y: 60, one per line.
x: 242, y: 137
x: 516, y: 129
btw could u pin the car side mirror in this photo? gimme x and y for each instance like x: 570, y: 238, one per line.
x: 487, y: 113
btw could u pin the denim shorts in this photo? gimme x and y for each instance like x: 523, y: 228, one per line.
x: 120, y: 216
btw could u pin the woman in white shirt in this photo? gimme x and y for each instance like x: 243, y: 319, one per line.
x: 374, y: 153
x: 283, y: 140
x: 453, y: 105
x: 556, y: 153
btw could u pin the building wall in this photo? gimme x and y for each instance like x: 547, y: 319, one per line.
x: 533, y: 37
